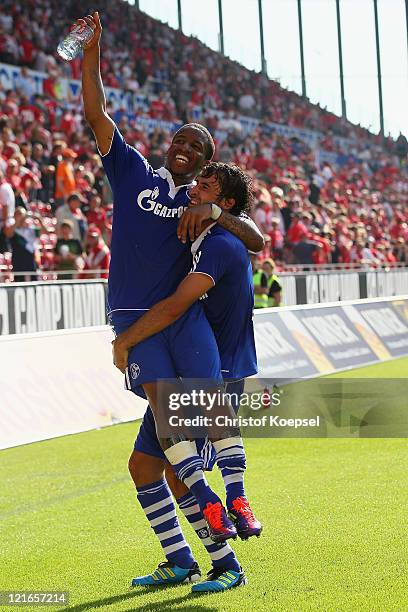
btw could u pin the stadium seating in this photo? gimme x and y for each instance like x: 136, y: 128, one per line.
x: 318, y: 179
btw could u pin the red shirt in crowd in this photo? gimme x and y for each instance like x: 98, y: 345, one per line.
x: 157, y: 109
x: 296, y: 232
x: 276, y: 239
x: 98, y: 217
x: 98, y: 258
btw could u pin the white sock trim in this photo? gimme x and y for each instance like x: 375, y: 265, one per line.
x: 220, y: 445
x: 180, y: 452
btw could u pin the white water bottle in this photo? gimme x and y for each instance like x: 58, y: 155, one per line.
x: 72, y: 44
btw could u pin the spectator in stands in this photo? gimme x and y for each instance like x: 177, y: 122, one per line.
x: 97, y: 256
x: 7, y: 199
x: 21, y: 240
x: 13, y: 175
x: 72, y: 211
x: 262, y: 216
x: 273, y: 282
x: 364, y: 182
x: 96, y: 215
x: 277, y: 239
x: 25, y: 83
x: 68, y: 251
x: 316, y: 185
x: 400, y: 251
x: 64, y: 178
x: 260, y: 284
x: 304, y: 251
x: 297, y: 230
x: 102, y: 185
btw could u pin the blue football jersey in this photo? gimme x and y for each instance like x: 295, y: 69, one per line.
x: 229, y: 304
x: 148, y: 261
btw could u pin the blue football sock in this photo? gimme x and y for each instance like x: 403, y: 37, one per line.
x: 157, y: 503
x: 232, y: 462
x: 221, y: 554
x: 188, y: 467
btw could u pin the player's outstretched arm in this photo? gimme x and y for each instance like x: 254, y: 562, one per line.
x: 92, y: 88
x: 242, y: 227
x: 162, y: 315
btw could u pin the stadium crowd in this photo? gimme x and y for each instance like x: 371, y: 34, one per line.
x: 55, y: 201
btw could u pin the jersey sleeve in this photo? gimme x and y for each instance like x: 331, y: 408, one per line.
x: 213, y: 258
x: 122, y: 161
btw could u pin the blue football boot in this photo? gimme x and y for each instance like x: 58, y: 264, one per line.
x: 168, y: 573
x: 220, y: 579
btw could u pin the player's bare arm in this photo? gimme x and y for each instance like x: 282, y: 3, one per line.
x: 163, y: 314
x: 242, y: 227
x: 92, y: 88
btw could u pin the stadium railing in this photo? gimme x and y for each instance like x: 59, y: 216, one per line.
x: 7, y: 274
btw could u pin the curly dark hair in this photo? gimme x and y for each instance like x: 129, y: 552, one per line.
x: 234, y: 183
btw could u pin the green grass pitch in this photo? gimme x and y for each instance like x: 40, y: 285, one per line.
x: 334, y: 514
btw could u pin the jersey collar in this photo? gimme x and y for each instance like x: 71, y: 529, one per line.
x: 166, y: 175
x: 197, y: 242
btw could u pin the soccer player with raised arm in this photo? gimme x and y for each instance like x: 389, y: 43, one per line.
x: 221, y: 276
x: 148, y: 261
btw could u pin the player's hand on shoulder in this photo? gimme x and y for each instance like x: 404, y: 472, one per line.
x: 191, y: 220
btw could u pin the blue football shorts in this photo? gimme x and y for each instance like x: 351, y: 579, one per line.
x: 147, y: 442
x: 186, y: 349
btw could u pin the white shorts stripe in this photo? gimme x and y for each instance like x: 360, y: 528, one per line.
x: 127, y: 380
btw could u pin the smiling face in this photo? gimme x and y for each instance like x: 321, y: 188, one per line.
x: 204, y: 190
x: 187, y: 154
x: 208, y: 189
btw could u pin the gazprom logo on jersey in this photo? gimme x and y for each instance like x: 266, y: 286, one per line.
x: 147, y: 200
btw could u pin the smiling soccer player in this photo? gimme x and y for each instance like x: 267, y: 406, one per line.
x: 221, y: 276
x: 148, y: 261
